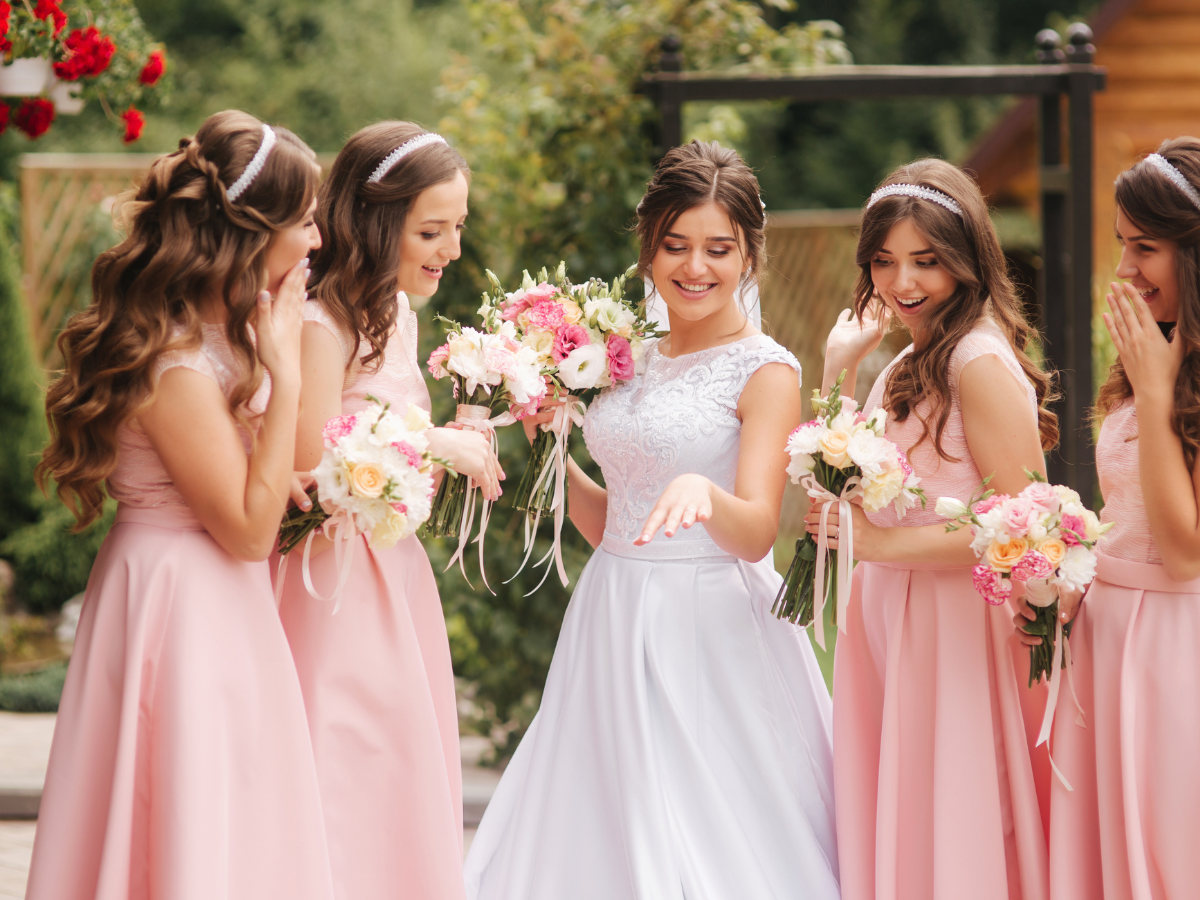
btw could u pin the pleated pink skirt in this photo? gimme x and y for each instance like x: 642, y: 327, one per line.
x: 379, y: 690
x: 937, y: 793
x: 181, y: 766
x: 1131, y: 828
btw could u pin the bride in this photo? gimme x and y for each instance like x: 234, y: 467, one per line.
x: 682, y: 748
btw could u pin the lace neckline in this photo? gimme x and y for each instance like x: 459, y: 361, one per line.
x: 656, y: 351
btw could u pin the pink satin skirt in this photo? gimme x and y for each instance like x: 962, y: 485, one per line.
x: 379, y: 689
x: 1131, y: 828
x: 181, y: 766
x: 936, y: 789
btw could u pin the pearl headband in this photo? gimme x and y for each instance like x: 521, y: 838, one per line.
x: 251, y: 172
x: 389, y: 161
x: 1175, y: 177
x: 920, y: 192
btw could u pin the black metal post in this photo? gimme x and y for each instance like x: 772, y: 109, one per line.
x: 670, y: 104
x: 1076, y: 430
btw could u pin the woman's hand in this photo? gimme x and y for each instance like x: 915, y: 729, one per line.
x: 1151, y: 362
x: 545, y: 416
x: 1068, y: 608
x: 302, y: 482
x: 469, y: 453
x: 850, y: 341
x: 278, y: 323
x: 686, y: 501
x: 868, y: 537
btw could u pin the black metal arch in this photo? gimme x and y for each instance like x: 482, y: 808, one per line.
x: 1065, y: 182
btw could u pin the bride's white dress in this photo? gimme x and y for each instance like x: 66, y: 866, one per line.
x: 682, y: 748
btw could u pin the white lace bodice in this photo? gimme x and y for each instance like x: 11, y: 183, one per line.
x: 679, y: 417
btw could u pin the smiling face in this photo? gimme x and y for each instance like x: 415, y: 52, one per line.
x: 699, y: 264
x: 1149, y: 264
x: 908, y: 276
x: 432, y: 236
x: 290, y: 245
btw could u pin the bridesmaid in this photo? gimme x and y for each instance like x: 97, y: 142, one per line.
x: 936, y: 792
x: 376, y: 677
x: 1131, y: 828
x: 181, y: 765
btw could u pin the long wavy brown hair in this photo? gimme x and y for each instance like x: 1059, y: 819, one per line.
x: 186, y: 244
x: 969, y: 249
x: 1161, y: 210
x: 354, y: 273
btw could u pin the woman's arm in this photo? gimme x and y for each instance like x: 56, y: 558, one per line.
x: 746, y: 522
x: 322, y: 374
x: 239, y: 499
x: 1152, y: 366
x: 1002, y: 436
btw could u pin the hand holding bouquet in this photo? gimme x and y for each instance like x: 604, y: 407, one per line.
x: 840, y: 456
x: 1044, y: 538
x: 374, y: 478
x: 585, y: 337
x: 490, y: 370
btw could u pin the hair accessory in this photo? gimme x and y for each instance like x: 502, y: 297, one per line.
x: 763, y: 204
x: 389, y: 161
x: 920, y: 192
x: 1175, y: 176
x: 247, y: 177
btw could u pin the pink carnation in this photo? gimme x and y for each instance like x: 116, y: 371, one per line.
x: 437, y: 361
x: 400, y: 508
x: 409, y: 452
x: 526, y: 300
x: 545, y: 315
x: 1032, y: 565
x: 986, y: 506
x: 567, y: 339
x: 620, y: 358
x: 1073, y: 530
x: 336, y: 429
x: 991, y: 585
x: 499, y: 359
x: 1019, y: 516
x: 1042, y: 496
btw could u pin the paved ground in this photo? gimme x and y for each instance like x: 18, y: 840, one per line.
x: 25, y: 748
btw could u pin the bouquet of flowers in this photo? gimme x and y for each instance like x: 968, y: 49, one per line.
x: 586, y: 337
x: 839, y: 456
x: 1044, y: 537
x: 374, y: 478
x: 490, y: 370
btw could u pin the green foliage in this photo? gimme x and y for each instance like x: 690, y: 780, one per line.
x: 35, y: 692
x: 51, y: 562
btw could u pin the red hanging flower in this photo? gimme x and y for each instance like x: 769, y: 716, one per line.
x: 134, y: 123
x: 48, y: 10
x: 4, y: 114
x: 34, y: 116
x: 89, y: 53
x: 154, y: 68
x: 5, y: 23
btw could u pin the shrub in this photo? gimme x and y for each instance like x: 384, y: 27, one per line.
x: 35, y: 692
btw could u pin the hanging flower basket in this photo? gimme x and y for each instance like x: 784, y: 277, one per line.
x: 59, y: 54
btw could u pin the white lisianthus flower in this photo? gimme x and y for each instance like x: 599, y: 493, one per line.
x: 878, y: 420
x: 524, y: 381
x: 582, y: 367
x: 1040, y: 592
x: 1067, y: 495
x: 1092, y: 526
x: 951, y: 508
x: 1077, y: 569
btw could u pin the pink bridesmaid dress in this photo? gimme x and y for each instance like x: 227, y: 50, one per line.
x: 379, y: 687
x: 937, y: 795
x: 181, y: 766
x: 1131, y: 828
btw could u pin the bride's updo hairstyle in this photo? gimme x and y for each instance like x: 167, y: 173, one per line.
x: 691, y: 176
x: 187, y: 242
x: 1162, y: 209
x: 968, y: 247
x: 361, y: 222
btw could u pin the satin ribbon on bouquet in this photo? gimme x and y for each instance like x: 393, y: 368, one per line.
x: 476, y: 418
x: 569, y: 411
x: 1062, y: 650
x: 340, y: 529
x: 845, y: 562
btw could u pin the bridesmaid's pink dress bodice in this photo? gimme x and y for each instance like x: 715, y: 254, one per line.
x: 140, y: 479
x: 941, y: 477
x: 1121, y: 484
x: 397, y: 379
